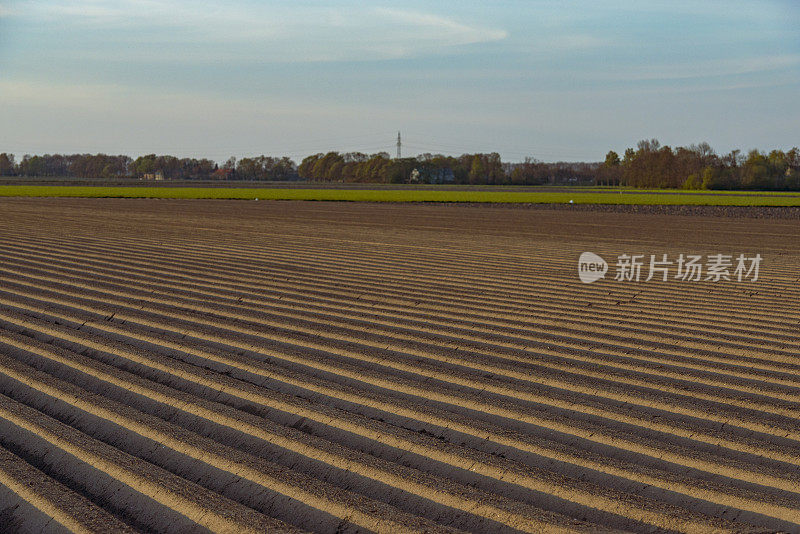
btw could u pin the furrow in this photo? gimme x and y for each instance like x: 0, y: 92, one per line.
x: 501, y: 436
x: 201, y: 509
x: 596, y: 497
x: 465, y: 400
x: 54, y: 503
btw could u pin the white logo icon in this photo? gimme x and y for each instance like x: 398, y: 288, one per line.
x: 591, y: 267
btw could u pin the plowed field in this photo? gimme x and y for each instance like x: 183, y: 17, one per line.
x: 239, y: 366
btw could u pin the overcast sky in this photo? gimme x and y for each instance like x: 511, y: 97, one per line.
x: 561, y: 80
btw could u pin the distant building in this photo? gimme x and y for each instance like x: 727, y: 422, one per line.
x: 158, y: 175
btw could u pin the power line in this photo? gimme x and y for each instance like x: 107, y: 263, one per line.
x: 338, y: 143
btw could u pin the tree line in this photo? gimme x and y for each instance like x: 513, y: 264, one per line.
x: 649, y: 165
x: 149, y: 166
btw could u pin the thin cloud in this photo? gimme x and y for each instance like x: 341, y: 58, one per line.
x: 268, y: 33
x: 445, y: 29
x: 709, y: 68
x: 106, y: 98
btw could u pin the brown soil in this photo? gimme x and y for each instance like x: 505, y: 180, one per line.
x: 338, y: 367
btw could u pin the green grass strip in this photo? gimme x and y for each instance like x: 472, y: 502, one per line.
x: 371, y: 195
